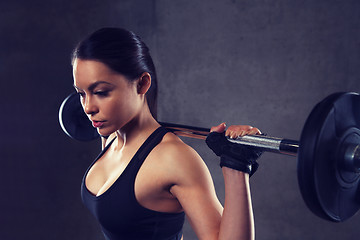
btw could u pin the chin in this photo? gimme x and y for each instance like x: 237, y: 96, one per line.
x: 104, y: 132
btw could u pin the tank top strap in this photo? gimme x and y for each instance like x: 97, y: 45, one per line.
x: 151, y: 142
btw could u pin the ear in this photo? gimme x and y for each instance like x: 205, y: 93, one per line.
x: 144, y: 83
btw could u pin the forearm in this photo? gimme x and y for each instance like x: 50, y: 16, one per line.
x: 237, y: 221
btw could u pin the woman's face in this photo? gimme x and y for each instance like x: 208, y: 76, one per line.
x: 108, y: 98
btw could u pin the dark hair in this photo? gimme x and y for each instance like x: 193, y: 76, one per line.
x: 123, y: 52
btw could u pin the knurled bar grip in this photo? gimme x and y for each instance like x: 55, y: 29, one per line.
x: 270, y: 144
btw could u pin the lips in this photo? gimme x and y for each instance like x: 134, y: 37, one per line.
x: 97, y: 124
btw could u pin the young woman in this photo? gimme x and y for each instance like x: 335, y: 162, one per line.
x: 146, y: 179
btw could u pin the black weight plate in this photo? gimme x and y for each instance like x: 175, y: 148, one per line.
x: 74, y: 121
x: 328, y: 189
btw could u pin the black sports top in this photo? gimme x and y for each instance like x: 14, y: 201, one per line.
x: 119, y: 213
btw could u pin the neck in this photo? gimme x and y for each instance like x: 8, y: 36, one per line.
x: 139, y: 128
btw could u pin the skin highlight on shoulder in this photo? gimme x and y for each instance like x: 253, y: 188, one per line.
x: 181, y: 162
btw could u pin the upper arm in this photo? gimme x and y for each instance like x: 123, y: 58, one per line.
x: 194, y: 189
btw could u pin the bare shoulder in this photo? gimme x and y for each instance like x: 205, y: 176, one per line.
x: 173, y: 149
x: 191, y: 184
x: 180, y: 160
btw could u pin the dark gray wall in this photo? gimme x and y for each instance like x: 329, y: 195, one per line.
x: 264, y: 63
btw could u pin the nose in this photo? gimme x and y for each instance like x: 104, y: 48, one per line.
x: 89, y: 105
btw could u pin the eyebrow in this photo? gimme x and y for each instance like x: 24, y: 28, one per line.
x: 94, y: 85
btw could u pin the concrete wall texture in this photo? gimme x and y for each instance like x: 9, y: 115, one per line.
x: 259, y: 62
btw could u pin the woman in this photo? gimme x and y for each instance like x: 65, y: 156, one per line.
x: 146, y: 179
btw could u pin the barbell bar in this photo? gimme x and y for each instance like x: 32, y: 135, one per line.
x: 269, y: 144
x: 328, y: 153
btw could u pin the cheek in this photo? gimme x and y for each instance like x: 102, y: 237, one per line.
x: 112, y: 108
x: 120, y: 109
x: 121, y: 106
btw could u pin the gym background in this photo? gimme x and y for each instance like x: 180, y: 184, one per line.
x: 258, y: 62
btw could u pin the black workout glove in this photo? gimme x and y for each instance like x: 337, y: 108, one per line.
x: 232, y: 155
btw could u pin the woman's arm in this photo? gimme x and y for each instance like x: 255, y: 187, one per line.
x: 237, y: 220
x: 195, y: 191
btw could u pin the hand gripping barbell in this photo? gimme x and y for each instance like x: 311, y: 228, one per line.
x: 328, y: 152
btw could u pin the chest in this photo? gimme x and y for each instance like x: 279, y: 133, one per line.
x: 145, y: 180
x: 131, y: 209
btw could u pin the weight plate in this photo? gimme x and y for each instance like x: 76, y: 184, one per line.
x: 74, y: 121
x: 328, y: 187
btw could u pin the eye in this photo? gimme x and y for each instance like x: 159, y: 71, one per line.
x: 102, y: 93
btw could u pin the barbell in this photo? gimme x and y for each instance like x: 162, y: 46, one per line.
x: 328, y: 153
